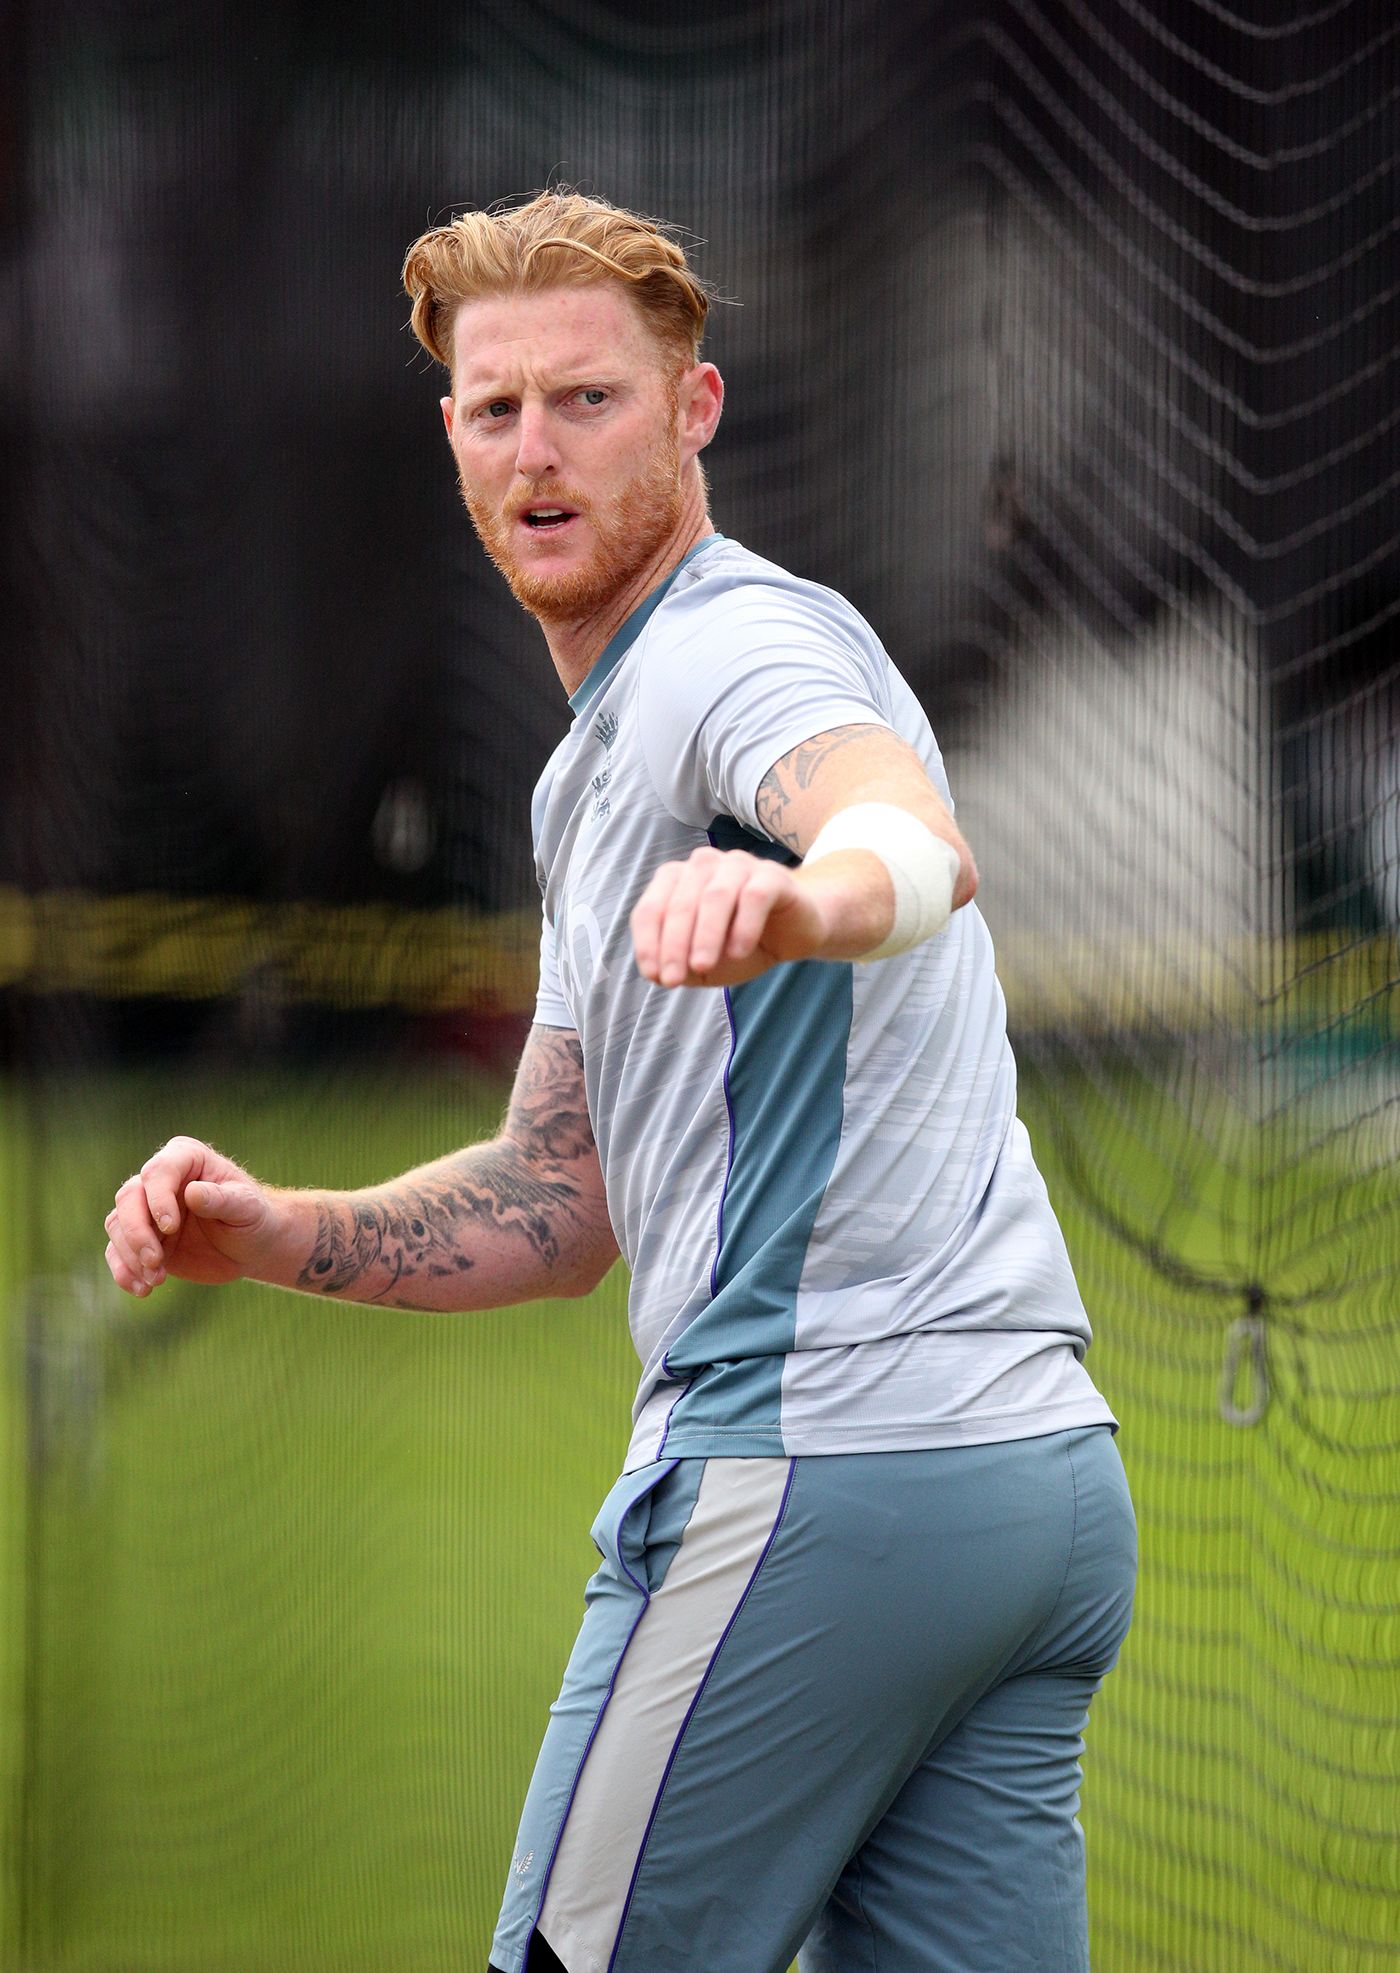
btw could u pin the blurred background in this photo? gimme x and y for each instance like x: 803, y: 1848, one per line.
x: 1061, y: 336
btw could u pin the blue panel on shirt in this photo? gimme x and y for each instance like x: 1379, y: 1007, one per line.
x: 786, y: 1084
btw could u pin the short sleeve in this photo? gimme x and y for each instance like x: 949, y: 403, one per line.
x: 550, y: 1008
x: 743, y: 680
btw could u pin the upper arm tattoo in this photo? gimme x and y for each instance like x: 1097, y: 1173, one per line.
x: 530, y: 1181
x: 794, y: 774
x: 548, y: 1114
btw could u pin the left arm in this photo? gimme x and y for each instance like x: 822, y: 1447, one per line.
x: 722, y: 917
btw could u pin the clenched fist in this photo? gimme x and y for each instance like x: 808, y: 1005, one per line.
x: 192, y: 1212
x: 722, y: 917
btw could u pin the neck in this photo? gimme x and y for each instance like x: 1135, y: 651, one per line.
x: 577, y: 644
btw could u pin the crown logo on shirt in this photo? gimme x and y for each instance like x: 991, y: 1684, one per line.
x: 605, y: 727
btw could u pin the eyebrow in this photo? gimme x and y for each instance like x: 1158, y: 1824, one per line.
x: 574, y: 378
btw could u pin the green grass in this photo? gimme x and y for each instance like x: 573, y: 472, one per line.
x: 292, y: 1585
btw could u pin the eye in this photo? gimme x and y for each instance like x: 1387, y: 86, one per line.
x: 499, y: 407
x: 593, y: 396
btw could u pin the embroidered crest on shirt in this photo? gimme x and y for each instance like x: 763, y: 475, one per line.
x: 605, y: 727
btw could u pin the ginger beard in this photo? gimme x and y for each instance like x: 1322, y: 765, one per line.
x: 629, y: 528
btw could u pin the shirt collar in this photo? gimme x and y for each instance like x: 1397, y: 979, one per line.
x: 622, y: 641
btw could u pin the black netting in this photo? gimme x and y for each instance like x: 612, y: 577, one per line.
x: 1065, y: 345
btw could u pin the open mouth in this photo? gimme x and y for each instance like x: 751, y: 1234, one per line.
x: 543, y: 518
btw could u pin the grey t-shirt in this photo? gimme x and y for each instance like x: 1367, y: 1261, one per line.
x: 838, y: 1237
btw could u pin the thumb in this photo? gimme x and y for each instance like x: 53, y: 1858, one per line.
x: 235, y: 1202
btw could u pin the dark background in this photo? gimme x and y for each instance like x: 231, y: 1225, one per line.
x: 1062, y: 338
x: 244, y: 616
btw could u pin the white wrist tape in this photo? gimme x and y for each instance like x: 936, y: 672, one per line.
x: 922, y: 867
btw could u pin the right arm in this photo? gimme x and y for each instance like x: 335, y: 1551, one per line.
x: 521, y: 1217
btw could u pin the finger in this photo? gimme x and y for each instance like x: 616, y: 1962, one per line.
x: 713, y: 917
x: 164, y: 1176
x: 145, y: 1263
x: 133, y: 1210
x: 647, y: 916
x: 234, y: 1202
x: 121, y: 1244
x: 131, y: 1213
x: 752, y: 911
x: 678, y: 926
x: 129, y: 1282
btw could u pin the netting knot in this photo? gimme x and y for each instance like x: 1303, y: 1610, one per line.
x: 1244, y: 1376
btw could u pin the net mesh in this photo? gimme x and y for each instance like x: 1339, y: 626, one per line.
x: 1065, y: 346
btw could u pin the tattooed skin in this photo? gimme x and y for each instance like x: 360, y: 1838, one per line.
x: 548, y: 1113
x: 794, y: 774
x: 529, y: 1183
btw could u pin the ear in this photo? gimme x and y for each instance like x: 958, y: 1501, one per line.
x: 446, y: 403
x: 701, y: 402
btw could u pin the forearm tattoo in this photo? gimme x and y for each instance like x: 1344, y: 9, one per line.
x: 793, y: 775
x: 528, y: 1182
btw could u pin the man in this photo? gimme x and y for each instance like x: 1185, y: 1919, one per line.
x: 872, y: 1550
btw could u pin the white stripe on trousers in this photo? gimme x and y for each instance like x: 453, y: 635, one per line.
x: 662, y: 1668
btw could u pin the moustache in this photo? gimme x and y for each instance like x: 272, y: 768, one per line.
x: 516, y: 507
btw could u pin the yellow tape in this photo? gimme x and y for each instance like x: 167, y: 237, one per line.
x: 354, y: 956
x: 1262, y: 985
x: 377, y: 955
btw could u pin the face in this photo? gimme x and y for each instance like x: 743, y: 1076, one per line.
x: 573, y: 437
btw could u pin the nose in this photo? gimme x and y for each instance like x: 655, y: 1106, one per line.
x: 537, y: 454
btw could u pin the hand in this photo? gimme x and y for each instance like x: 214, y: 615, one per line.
x: 723, y: 917
x: 188, y: 1211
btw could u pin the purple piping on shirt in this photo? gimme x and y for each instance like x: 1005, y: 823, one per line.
x: 719, y: 1214
x: 690, y: 1713
x: 645, y: 1594
x: 666, y: 1429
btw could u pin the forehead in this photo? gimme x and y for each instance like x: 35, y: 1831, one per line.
x: 552, y: 329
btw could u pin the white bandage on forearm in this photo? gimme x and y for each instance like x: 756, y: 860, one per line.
x: 922, y: 867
